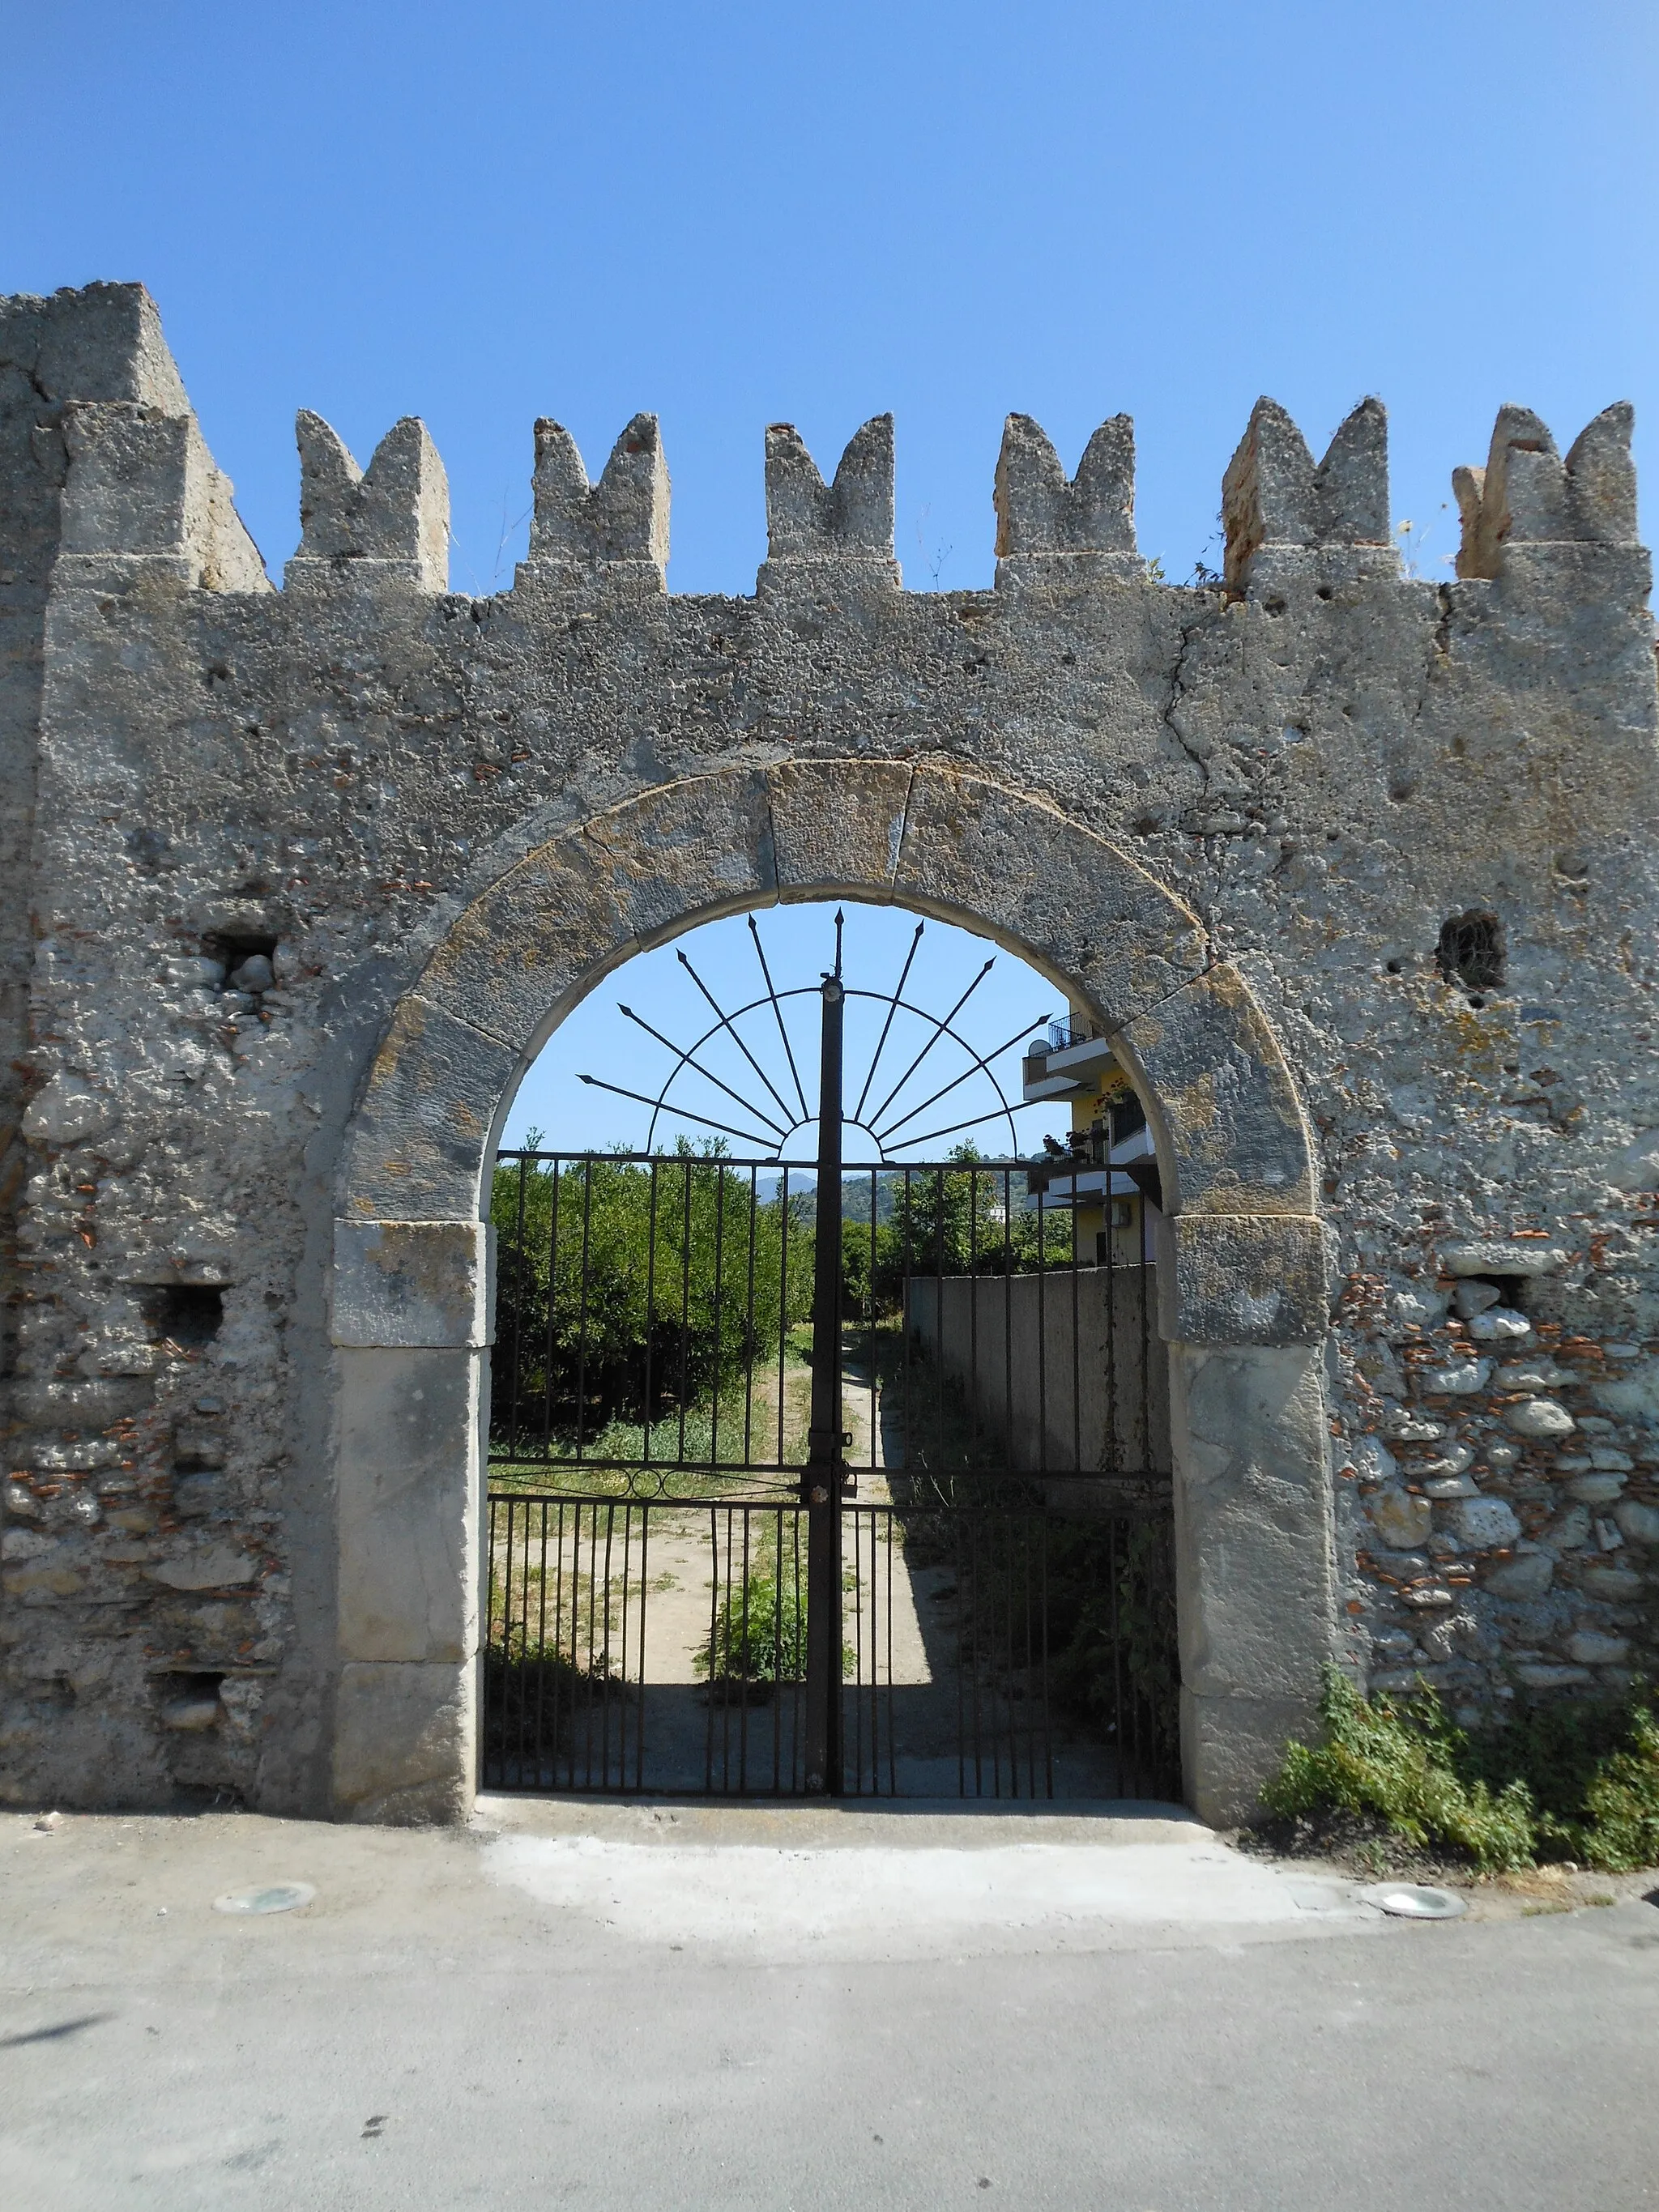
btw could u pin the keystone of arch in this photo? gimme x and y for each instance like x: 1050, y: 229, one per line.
x: 1231, y: 1139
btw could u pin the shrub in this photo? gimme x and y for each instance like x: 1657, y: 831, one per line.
x: 1402, y: 1765
x: 1592, y: 1765
x: 1622, y: 1831
x: 1579, y: 1779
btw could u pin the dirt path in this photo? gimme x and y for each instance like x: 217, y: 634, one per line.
x: 883, y: 1591
x: 635, y: 1593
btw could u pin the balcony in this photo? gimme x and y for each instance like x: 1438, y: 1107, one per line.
x: 1087, y: 1171
x: 1068, y: 1061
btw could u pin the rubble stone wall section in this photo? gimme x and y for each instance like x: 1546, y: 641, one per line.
x: 1337, y: 851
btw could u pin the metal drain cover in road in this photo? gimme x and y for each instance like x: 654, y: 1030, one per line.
x: 276, y: 1897
x: 1411, y: 1900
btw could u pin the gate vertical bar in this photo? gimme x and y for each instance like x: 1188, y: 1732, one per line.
x: 821, y: 1483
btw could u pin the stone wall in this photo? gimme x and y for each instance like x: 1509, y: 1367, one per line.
x: 264, y: 851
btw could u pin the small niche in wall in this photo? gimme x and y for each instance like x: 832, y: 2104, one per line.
x: 233, y: 945
x: 1471, y: 952
x: 248, y: 955
x: 189, y: 1315
x: 1491, y: 1307
x: 189, y: 1702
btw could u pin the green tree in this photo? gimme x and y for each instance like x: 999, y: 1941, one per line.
x: 627, y: 1291
x: 963, y: 1219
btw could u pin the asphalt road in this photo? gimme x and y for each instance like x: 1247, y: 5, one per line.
x: 621, y: 2008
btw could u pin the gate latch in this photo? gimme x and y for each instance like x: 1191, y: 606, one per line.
x: 819, y: 1482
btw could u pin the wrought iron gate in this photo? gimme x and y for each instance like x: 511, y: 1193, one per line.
x: 844, y: 1479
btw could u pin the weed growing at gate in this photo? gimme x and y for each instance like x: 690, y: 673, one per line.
x: 760, y: 1634
x: 1576, y: 1779
x: 531, y: 1693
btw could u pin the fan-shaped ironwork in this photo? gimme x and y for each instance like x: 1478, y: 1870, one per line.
x: 781, y: 1119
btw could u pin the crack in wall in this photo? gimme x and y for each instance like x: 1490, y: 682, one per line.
x: 1188, y: 631
x: 903, y: 832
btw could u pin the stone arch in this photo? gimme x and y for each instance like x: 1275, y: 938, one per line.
x: 1240, y: 1277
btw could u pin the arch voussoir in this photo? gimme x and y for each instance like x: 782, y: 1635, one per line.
x: 1041, y: 882
x: 425, y: 1117
x: 1215, y: 1076
x: 837, y: 826
x: 606, y: 888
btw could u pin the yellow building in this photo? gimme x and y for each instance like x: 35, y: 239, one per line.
x: 1104, y: 1170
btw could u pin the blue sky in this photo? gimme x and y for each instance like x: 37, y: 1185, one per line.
x: 732, y: 214
x: 741, y: 213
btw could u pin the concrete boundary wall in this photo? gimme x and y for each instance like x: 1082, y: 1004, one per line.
x: 301, y: 879
x: 1066, y: 1372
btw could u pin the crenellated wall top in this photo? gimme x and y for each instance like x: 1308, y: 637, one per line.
x: 142, y: 486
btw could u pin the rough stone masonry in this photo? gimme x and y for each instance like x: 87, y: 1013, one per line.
x: 1358, y: 867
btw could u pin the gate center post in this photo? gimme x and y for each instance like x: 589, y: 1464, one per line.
x: 824, y: 1473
